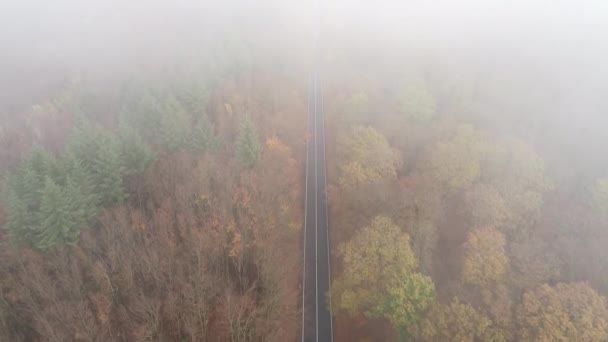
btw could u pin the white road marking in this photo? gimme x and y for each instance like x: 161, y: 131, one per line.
x: 305, y: 210
x: 331, y: 321
x: 316, y: 78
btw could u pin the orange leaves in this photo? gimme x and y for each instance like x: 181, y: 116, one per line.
x: 235, y: 242
x: 242, y: 198
x: 275, y: 146
x: 102, y: 306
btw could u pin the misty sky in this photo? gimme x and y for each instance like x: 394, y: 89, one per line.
x: 55, y: 27
x: 568, y: 38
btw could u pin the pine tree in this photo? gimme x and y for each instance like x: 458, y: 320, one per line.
x: 79, y: 208
x: 144, y: 114
x: 20, y: 223
x: 248, y: 145
x: 99, y: 152
x: 82, y: 189
x: 136, y: 154
x: 26, y: 184
x: 58, y: 222
x: 41, y: 162
x: 22, y: 194
x: 49, y: 205
x: 30, y: 176
x: 192, y: 94
x: 175, y: 125
x: 203, y: 139
x: 107, y: 169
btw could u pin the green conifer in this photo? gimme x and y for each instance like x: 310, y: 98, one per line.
x: 248, y: 145
x: 58, y: 222
x: 203, y: 138
x: 136, y: 154
x: 175, y: 125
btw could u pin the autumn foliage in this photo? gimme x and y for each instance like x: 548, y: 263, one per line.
x: 150, y: 226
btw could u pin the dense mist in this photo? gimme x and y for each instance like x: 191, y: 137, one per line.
x: 154, y: 159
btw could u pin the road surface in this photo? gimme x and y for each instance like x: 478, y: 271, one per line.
x: 316, y: 309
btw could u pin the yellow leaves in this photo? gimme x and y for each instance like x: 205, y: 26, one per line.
x: 379, y: 276
x: 566, y: 312
x: 454, y: 322
x: 366, y: 157
x: 517, y: 173
x: 522, y: 167
x: 376, y: 249
x: 485, y: 259
x: 455, y: 162
x: 348, y: 301
x: 487, y: 206
x: 242, y: 197
x: 236, y: 244
x: 354, y: 174
x: 274, y: 144
x: 587, y: 309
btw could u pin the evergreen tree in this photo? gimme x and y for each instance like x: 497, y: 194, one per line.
x: 41, y: 163
x: 26, y: 184
x: 59, y: 223
x: 81, y: 187
x: 108, y: 170
x: 145, y: 113
x: 49, y: 200
x: 192, y: 94
x: 203, y: 138
x: 135, y: 152
x: 248, y: 145
x: 21, y: 225
x: 22, y: 194
x: 101, y: 157
x: 175, y: 125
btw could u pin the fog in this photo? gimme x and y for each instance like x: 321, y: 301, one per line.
x: 558, y: 48
x: 566, y: 39
x: 463, y: 124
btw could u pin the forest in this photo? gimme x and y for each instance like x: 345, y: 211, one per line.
x: 152, y: 171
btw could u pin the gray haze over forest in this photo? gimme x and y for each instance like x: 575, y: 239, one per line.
x: 565, y: 43
x: 153, y: 157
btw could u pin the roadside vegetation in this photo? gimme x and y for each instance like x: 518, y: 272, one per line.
x: 457, y: 214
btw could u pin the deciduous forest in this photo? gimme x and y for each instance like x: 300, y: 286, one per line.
x: 153, y: 175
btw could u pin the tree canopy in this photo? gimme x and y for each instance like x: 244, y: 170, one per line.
x: 455, y: 162
x: 417, y: 103
x: 248, y: 146
x: 380, y: 278
x: 565, y: 312
x: 455, y: 321
x: 365, y: 157
x: 485, y: 259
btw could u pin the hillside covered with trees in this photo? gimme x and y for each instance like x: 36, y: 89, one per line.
x: 468, y: 192
x: 152, y: 168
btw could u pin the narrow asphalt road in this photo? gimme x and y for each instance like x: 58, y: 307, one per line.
x: 316, y: 309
